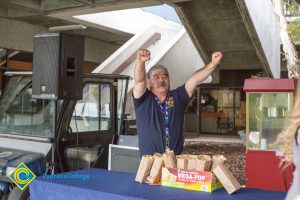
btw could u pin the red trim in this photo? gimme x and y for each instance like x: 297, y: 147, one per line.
x: 269, y: 85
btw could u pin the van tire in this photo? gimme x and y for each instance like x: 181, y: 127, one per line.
x: 17, y: 194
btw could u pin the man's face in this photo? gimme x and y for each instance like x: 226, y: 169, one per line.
x: 159, y: 81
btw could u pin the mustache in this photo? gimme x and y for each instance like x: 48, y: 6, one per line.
x: 161, y: 85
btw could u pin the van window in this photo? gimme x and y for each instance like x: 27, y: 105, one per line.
x: 93, y: 112
x: 26, y: 116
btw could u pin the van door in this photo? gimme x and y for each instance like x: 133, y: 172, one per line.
x: 86, y: 127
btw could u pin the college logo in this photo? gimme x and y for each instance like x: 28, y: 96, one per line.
x: 22, y: 176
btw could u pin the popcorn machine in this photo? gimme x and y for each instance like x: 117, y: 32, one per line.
x: 268, y: 102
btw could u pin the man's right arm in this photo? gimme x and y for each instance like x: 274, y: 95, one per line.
x: 140, y: 85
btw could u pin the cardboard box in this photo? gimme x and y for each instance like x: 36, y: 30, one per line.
x: 190, y: 179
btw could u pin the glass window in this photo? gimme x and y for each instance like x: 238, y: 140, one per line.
x: 23, y: 115
x: 222, y: 111
x: 93, y: 112
x: 267, y: 114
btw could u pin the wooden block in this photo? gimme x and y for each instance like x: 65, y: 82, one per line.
x: 228, y: 181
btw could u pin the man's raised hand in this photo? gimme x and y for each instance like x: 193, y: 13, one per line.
x: 216, y: 58
x: 143, y: 55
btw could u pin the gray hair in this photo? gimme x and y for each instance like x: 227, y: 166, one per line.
x: 155, y: 67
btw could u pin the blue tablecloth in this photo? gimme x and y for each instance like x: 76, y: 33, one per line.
x: 102, y: 184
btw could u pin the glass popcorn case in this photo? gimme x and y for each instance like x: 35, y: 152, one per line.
x: 268, y: 102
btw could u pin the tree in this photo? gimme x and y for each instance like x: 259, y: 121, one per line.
x: 290, y: 52
x: 286, y: 138
x: 291, y: 8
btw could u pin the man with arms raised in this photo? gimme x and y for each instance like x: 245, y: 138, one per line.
x: 159, y: 110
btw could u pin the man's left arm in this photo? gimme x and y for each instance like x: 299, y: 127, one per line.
x: 200, y: 75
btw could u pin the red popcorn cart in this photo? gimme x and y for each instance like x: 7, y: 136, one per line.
x: 268, y: 102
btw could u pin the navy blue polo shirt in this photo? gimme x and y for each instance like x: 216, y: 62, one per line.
x: 150, y: 121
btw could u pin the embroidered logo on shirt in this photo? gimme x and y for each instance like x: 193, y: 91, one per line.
x: 171, y: 102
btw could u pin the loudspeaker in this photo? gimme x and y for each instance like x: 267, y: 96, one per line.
x: 57, y: 66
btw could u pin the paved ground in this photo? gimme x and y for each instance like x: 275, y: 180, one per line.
x: 191, y: 138
x: 229, y: 146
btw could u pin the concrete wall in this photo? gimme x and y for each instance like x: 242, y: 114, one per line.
x: 267, y: 28
x: 97, y: 51
x: 19, y: 36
